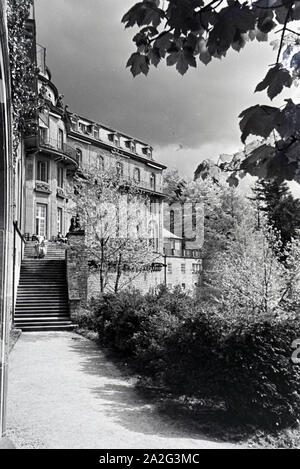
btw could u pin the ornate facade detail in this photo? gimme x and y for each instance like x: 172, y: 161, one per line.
x: 60, y: 193
x: 42, y: 187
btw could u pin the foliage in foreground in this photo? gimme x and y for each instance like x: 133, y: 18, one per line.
x: 184, y: 33
x: 194, y: 351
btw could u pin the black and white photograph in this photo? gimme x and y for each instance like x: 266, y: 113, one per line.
x: 149, y: 227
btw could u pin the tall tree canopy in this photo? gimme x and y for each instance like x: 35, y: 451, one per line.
x: 186, y: 32
x: 282, y: 210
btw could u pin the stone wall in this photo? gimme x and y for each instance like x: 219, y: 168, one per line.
x: 77, y: 271
x: 143, y: 281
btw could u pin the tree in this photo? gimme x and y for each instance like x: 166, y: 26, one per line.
x: 184, y: 32
x: 282, y: 210
x: 248, y: 278
x: 174, y: 185
x: 118, y: 243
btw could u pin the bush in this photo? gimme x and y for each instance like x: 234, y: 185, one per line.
x: 85, y: 319
x: 118, y: 319
x: 260, y: 383
x: 196, y: 351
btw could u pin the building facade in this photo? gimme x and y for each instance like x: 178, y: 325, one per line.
x: 183, y: 241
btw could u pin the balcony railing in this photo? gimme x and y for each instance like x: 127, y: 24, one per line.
x: 187, y: 253
x: 55, y: 145
x: 149, y: 186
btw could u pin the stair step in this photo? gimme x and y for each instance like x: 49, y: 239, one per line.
x: 47, y: 328
x: 42, y: 319
x: 49, y: 315
x: 42, y: 300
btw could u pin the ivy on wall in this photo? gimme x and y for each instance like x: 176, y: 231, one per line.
x: 25, y: 100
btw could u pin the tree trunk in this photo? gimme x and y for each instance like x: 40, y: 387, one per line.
x: 119, y: 273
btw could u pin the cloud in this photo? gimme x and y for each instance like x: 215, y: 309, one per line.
x: 87, y: 52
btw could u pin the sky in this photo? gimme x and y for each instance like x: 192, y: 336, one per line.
x: 186, y: 119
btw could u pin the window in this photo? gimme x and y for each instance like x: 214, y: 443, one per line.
x: 42, y: 171
x: 183, y: 268
x: 152, y: 181
x: 194, y: 217
x: 183, y: 285
x: 115, y: 139
x: 101, y: 163
x: 120, y: 170
x: 59, y: 220
x: 131, y: 145
x: 169, y: 268
x: 96, y: 134
x: 147, y: 151
x: 196, y: 268
x: 60, y: 176
x: 60, y: 139
x: 43, y: 135
x: 79, y: 156
x: 137, y: 175
x: 41, y: 220
x: 82, y: 127
x: 172, y: 221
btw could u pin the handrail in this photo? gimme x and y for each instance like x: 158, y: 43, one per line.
x: 22, y: 237
x: 17, y: 230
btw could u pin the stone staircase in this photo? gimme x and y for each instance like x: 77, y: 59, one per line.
x: 42, y: 300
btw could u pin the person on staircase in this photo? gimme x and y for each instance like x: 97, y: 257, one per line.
x: 40, y: 247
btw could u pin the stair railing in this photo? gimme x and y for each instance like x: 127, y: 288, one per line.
x: 18, y: 237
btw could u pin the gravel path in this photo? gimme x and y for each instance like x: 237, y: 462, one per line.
x: 64, y: 393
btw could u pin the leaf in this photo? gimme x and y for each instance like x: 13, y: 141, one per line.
x: 143, y: 13
x: 231, y: 22
x: 257, y: 162
x: 288, y: 122
x: 295, y: 62
x: 183, y: 59
x: 276, y: 79
x: 154, y: 56
x: 138, y: 63
x: 258, y: 120
x: 163, y: 42
x: 204, y: 54
x: 295, y: 15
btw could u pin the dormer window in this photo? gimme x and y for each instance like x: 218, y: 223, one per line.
x: 131, y: 145
x: 96, y: 133
x: 147, y: 151
x: 82, y: 128
x: 115, y: 139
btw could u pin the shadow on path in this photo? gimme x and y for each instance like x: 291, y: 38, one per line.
x: 122, y: 403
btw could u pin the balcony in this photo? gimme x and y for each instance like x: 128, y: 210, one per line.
x: 186, y: 253
x: 54, y: 146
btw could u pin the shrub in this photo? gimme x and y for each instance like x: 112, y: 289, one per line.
x: 196, y: 351
x: 118, y: 318
x: 258, y: 379
x: 85, y: 319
